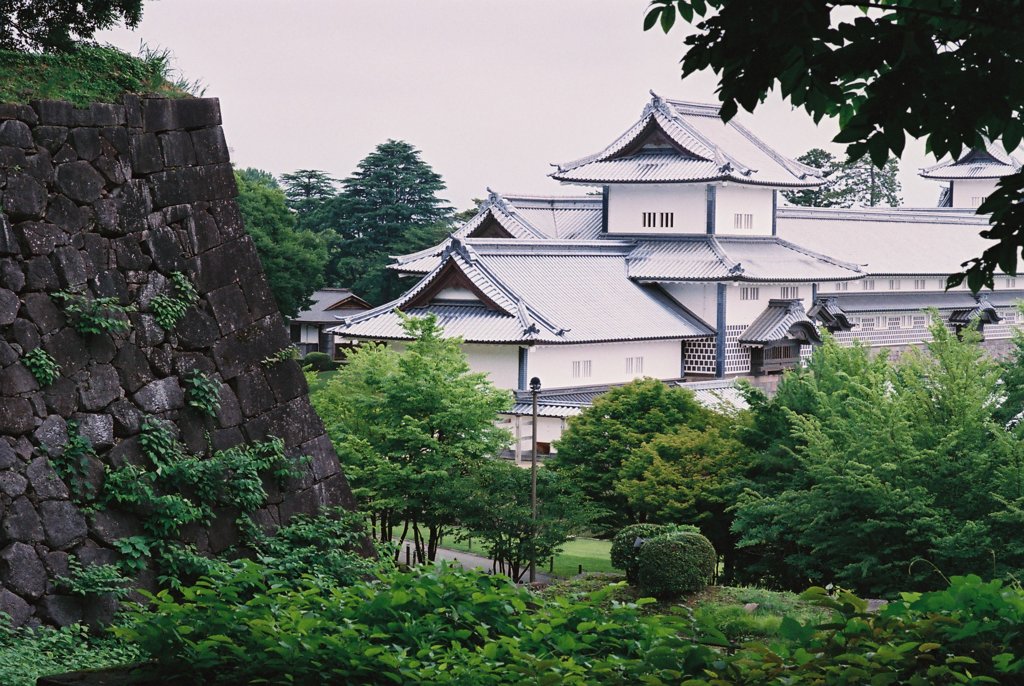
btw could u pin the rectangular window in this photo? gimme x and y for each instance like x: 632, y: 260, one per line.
x: 920, y: 284
x: 867, y: 285
x: 742, y: 221
x: 649, y: 219
x: 581, y: 369
x: 894, y: 284
x: 1011, y: 282
x: 867, y: 323
x: 667, y: 219
x: 790, y: 292
x: 919, y: 321
x: 634, y: 365
x: 750, y: 293
x: 842, y: 285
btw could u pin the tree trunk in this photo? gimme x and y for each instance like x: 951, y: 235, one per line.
x: 432, y: 541
x: 401, y: 540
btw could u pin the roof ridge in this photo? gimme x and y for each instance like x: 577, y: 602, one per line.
x: 821, y: 256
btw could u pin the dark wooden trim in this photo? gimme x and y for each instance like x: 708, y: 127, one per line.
x: 711, y: 194
x: 720, y: 337
x: 604, y: 209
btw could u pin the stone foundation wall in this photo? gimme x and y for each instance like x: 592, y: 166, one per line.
x: 110, y: 201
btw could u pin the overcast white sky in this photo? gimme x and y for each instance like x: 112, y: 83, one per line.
x: 491, y: 91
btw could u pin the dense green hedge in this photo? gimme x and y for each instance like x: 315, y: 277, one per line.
x: 319, y: 362
x: 443, y: 626
x: 675, y: 563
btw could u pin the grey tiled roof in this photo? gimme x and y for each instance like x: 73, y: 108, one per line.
x: 329, y: 304
x: 702, y: 148
x: 523, y: 217
x: 948, y: 300
x: 721, y: 258
x: 826, y: 310
x: 720, y: 395
x: 540, y: 291
x: 983, y: 310
x: 780, y: 320
x: 888, y: 242
x: 991, y: 163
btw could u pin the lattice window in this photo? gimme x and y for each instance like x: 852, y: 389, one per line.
x: 742, y: 221
x: 581, y: 369
x: 634, y: 365
x: 867, y: 285
x: 649, y: 219
x: 790, y: 292
x: 920, y: 284
x: 750, y: 293
x: 895, y: 284
x: 842, y: 285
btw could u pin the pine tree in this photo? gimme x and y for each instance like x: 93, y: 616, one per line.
x: 388, y: 206
x: 306, y: 189
x: 849, y: 183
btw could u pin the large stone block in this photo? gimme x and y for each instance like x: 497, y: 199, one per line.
x: 42, y: 311
x: 101, y: 388
x: 228, y: 263
x: 210, y: 146
x: 50, y: 138
x: 230, y: 308
x: 16, y: 416
x: 250, y: 346
x: 162, y: 395
x: 189, y: 184
x: 79, y: 181
x: 86, y: 143
x: 16, y: 133
x: 9, y: 305
x: 186, y: 113
x: 145, y: 153
x: 15, y: 607
x: 24, y: 197
x: 46, y: 483
x: 16, y: 380
x: 177, y: 149
x: 64, y: 525
x: 22, y: 571
x: 21, y: 523
x: 39, y: 238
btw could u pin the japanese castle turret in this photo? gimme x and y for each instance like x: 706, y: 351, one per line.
x: 688, y: 267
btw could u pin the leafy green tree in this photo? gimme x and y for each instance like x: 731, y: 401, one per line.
x: 293, y: 260
x: 688, y: 476
x: 598, y: 442
x: 411, y: 426
x: 496, y: 510
x: 943, y: 70
x: 854, y: 182
x: 58, y: 25
x: 388, y: 206
x: 894, y: 471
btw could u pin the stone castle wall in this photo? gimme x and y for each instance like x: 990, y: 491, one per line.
x: 110, y: 201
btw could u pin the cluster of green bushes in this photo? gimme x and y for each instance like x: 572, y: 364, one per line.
x: 442, y: 625
x: 863, y: 472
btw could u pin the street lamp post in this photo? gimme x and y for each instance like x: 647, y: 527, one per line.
x: 534, y: 390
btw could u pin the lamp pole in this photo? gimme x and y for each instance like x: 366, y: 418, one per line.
x: 534, y: 390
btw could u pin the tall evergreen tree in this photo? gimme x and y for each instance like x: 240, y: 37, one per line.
x: 306, y: 189
x: 389, y: 205
x: 57, y: 25
x: 849, y: 183
x: 293, y: 260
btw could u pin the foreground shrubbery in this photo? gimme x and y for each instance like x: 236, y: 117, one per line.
x: 26, y: 654
x: 440, y: 625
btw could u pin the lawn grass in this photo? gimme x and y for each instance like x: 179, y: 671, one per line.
x: 320, y: 380
x: 591, y: 553
x: 89, y: 74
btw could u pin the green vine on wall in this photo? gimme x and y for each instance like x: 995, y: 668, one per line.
x: 73, y: 465
x: 95, y: 315
x: 202, y: 392
x: 168, y: 309
x: 42, y: 366
x: 173, y: 489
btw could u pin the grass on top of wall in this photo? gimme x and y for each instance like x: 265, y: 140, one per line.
x: 90, y: 74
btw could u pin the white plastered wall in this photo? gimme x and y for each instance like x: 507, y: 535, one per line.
x: 699, y: 298
x: 738, y: 311
x: 553, y: 364
x: 687, y: 203
x: 967, y: 193
x: 499, y: 362
x: 732, y: 199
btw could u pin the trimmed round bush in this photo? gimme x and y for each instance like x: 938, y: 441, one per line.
x: 624, y: 549
x: 319, y: 362
x: 676, y: 563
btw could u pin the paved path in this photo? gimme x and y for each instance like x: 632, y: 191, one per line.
x: 471, y: 561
